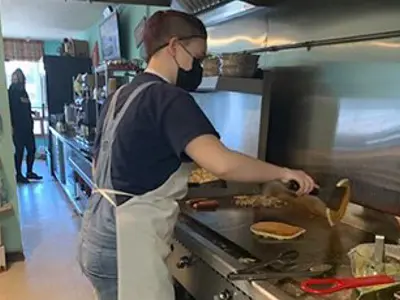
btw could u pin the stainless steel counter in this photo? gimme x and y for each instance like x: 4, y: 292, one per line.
x: 208, y: 246
x: 71, y: 165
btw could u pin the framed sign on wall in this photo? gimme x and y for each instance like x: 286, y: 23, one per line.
x: 138, y: 32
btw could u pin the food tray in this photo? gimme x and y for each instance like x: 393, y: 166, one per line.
x: 210, y: 184
x: 239, y: 65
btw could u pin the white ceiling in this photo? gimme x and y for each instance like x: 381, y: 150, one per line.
x: 48, y: 19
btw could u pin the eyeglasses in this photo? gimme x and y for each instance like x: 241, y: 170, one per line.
x: 194, y: 57
x: 201, y: 59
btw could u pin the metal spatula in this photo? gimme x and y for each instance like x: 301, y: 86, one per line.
x: 332, y: 197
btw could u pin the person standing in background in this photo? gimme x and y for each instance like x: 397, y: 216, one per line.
x: 22, y: 126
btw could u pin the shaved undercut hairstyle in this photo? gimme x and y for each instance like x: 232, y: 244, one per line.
x: 167, y: 24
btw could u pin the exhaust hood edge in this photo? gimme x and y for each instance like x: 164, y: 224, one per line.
x: 213, y: 12
x: 166, y: 3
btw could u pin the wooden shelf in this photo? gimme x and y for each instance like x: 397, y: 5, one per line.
x: 106, y: 68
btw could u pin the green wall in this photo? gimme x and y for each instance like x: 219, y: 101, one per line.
x: 129, y: 17
x: 51, y: 47
x: 10, y: 221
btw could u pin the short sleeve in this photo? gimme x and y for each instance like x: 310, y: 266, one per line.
x: 183, y: 121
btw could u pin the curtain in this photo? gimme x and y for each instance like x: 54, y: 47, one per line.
x: 22, y: 50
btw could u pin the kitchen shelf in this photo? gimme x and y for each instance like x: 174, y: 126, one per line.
x: 232, y: 84
x: 84, y: 168
x: 106, y: 68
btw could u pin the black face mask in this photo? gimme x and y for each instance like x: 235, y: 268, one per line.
x: 19, y: 85
x: 190, y: 80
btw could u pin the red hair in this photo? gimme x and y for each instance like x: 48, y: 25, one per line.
x: 164, y: 25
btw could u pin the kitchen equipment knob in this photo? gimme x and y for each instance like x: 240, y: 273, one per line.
x: 184, y: 262
x: 225, y: 295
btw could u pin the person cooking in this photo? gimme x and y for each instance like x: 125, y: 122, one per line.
x: 22, y: 126
x: 148, y: 134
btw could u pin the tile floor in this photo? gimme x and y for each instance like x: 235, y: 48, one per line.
x: 50, y: 230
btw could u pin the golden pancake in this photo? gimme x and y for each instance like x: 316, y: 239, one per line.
x: 276, y: 230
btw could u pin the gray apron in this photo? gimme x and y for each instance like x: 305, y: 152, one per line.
x: 144, y: 224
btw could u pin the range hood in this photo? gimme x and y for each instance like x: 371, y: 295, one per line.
x: 211, y: 12
x: 134, y: 2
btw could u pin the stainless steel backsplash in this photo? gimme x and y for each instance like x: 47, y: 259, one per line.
x: 236, y: 117
x: 334, y: 110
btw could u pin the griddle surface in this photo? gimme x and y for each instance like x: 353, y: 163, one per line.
x: 320, y: 243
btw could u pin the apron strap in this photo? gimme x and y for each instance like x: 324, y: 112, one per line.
x: 113, y: 118
x: 111, y: 108
x: 107, y: 192
x: 103, y: 182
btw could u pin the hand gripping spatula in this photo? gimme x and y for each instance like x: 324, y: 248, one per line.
x: 332, y: 197
x: 336, y: 199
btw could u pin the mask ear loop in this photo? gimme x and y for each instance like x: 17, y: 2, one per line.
x: 188, y: 52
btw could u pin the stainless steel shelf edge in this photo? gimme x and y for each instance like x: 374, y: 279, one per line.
x: 86, y: 177
x: 223, y: 263
x: 232, y: 84
x: 71, y: 200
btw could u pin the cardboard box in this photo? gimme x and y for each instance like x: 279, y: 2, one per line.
x: 80, y: 48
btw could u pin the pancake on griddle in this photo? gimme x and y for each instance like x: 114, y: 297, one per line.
x: 276, y: 230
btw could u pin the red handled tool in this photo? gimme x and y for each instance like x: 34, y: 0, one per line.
x: 331, y: 285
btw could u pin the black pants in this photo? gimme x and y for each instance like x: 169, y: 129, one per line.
x: 21, y: 142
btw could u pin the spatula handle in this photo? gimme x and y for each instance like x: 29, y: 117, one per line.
x: 294, y: 186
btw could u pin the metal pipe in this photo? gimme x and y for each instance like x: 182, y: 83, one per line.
x: 327, y: 42
x: 147, y: 11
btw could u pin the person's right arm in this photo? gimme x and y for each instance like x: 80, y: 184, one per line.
x: 208, y: 152
x: 190, y: 133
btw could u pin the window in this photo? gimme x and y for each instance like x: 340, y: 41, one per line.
x: 33, y: 87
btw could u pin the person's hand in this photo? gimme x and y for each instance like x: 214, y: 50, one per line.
x: 306, y: 183
x: 35, y: 114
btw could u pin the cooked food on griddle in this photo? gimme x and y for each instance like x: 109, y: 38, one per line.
x: 276, y: 230
x: 203, y: 203
x: 259, y: 201
x: 200, y: 175
x: 333, y: 216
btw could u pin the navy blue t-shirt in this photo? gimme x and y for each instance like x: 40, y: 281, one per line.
x: 151, y: 139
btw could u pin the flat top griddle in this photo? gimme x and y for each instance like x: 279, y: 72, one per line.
x: 320, y: 243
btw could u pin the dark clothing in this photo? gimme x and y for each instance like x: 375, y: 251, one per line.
x: 20, y: 109
x: 22, y: 124
x: 22, y: 142
x: 151, y: 138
